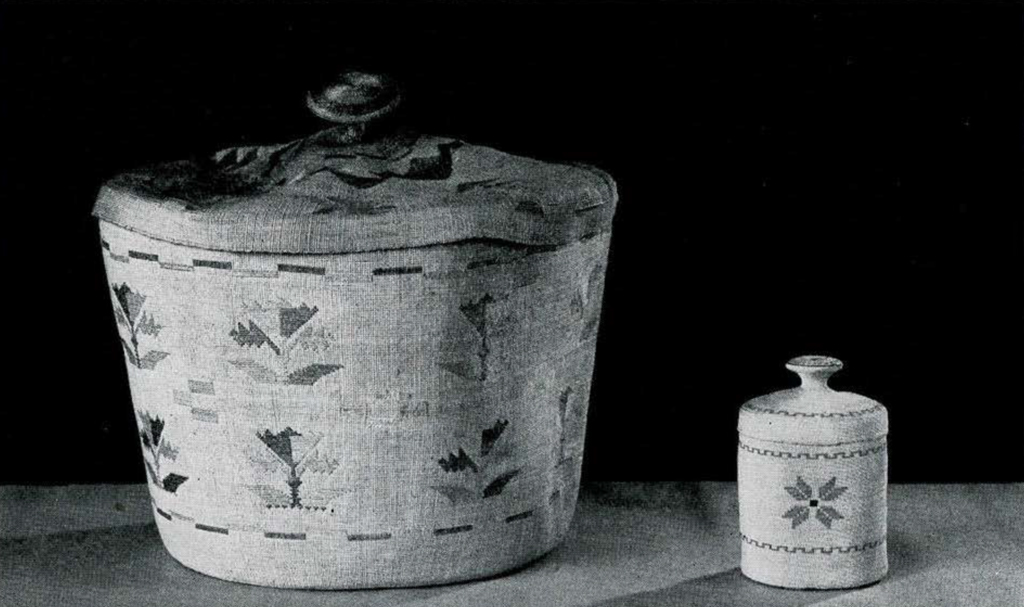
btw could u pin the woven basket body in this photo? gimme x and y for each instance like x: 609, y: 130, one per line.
x: 812, y: 473
x: 381, y: 419
x: 359, y: 363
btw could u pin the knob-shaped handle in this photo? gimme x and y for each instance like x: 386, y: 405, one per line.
x: 814, y: 370
x: 355, y: 98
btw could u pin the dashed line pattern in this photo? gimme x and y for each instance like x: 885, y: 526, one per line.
x: 281, y: 268
x: 352, y: 537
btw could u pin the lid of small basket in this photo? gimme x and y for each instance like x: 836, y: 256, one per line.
x: 813, y: 413
x: 359, y: 185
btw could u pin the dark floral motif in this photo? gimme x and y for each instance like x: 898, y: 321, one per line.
x: 298, y: 453
x: 253, y: 336
x: 476, y: 312
x: 136, y: 322
x: 491, y: 436
x: 497, y: 485
x: 294, y: 335
x: 803, y: 492
x: 474, y: 479
x: 158, y: 448
x: 457, y: 463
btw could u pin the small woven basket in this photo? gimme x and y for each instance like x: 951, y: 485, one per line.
x: 812, y: 477
x: 359, y: 363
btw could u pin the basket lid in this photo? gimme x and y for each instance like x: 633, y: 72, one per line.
x: 359, y: 185
x: 813, y: 413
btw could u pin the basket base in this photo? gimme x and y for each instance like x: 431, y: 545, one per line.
x: 815, y: 571
x: 333, y: 563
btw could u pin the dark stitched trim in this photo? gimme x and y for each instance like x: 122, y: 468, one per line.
x: 143, y: 256
x: 788, y: 455
x: 209, y: 263
x: 857, y: 413
x: 287, y: 267
x: 451, y: 530
x: 396, y: 271
x: 368, y: 537
x: 519, y: 517
x: 274, y: 535
x: 203, y: 527
x: 816, y: 549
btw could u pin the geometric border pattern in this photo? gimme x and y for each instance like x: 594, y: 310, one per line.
x: 813, y: 456
x: 857, y: 413
x: 814, y: 550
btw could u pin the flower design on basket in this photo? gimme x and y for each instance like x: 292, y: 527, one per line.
x: 294, y: 338
x: 151, y: 431
x: 298, y: 452
x: 137, y: 322
x: 826, y: 493
x: 475, y: 479
x: 476, y: 365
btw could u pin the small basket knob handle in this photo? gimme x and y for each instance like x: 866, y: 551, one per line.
x: 814, y: 370
x: 355, y: 100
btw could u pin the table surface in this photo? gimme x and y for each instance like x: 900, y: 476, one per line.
x: 631, y: 544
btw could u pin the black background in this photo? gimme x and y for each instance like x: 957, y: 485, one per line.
x: 793, y: 179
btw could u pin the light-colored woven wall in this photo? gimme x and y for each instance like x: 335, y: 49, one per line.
x: 378, y: 419
x: 813, y: 516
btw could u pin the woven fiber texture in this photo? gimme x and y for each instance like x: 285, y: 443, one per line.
x: 322, y: 195
x: 812, y: 476
x: 377, y: 419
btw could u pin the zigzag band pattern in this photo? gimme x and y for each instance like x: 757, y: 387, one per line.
x: 857, y: 413
x: 812, y: 456
x: 816, y: 549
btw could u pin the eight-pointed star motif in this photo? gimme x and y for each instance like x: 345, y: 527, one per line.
x: 804, y: 493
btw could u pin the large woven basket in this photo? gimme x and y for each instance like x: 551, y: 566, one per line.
x: 359, y: 362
